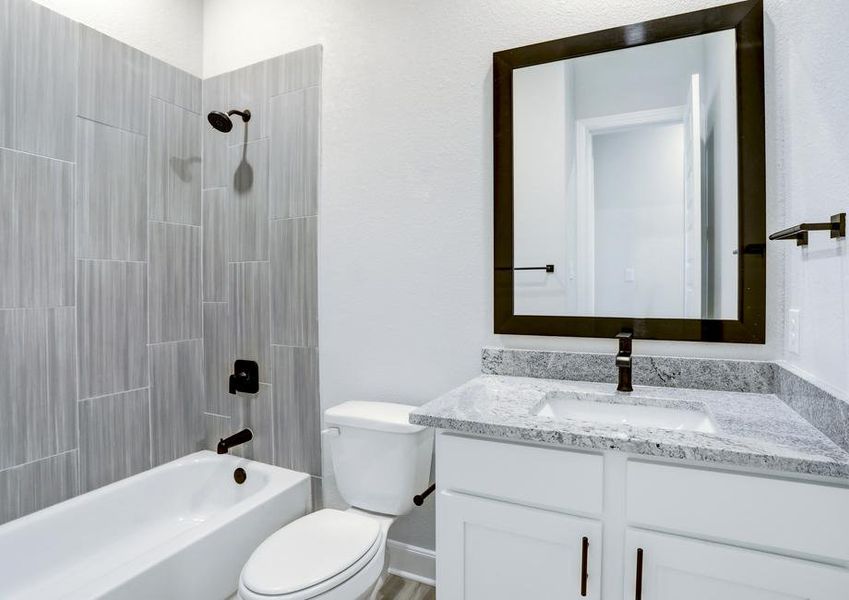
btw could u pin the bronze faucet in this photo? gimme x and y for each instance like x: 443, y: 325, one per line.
x: 623, y: 361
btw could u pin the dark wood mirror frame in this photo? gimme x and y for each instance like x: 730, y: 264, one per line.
x: 746, y: 18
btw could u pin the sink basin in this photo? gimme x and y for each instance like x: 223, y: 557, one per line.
x: 605, y: 409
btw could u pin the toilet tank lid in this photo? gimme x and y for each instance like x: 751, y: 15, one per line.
x: 380, y: 416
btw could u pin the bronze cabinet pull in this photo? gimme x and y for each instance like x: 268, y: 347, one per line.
x: 585, y: 546
x: 638, y: 595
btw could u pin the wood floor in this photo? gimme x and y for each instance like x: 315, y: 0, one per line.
x: 395, y: 588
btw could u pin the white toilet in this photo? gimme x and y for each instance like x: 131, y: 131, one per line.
x: 380, y: 461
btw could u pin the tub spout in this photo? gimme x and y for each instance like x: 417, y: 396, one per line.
x: 241, y: 437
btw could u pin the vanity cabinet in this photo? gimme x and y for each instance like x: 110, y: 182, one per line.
x: 676, y: 568
x: 504, y: 551
x: 512, y: 519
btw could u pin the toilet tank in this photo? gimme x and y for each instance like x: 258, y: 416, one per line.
x: 379, y: 459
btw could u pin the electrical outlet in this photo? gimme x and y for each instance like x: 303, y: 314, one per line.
x: 793, y: 316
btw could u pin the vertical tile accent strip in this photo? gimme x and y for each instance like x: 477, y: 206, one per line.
x: 175, y: 164
x: 114, y: 82
x: 175, y: 283
x: 216, y: 244
x: 218, y: 358
x: 249, y: 314
x: 36, y: 485
x: 112, y: 327
x: 44, y: 83
x: 36, y: 231
x: 248, y: 200
x: 296, y: 409
x: 294, y: 282
x: 114, y: 438
x: 111, y: 193
x: 293, y: 171
x: 176, y: 399
x: 7, y: 66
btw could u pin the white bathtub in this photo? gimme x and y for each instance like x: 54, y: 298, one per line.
x: 180, y: 531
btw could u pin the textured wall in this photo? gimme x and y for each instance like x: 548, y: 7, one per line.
x: 100, y: 300
x: 260, y: 220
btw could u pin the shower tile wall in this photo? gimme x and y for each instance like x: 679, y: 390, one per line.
x: 260, y: 207
x: 101, y: 313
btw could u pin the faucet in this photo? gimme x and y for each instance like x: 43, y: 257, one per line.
x: 623, y: 361
x: 241, y: 437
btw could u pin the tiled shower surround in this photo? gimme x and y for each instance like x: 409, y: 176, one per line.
x: 132, y: 272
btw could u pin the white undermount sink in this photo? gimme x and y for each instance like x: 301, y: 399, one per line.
x: 607, y: 411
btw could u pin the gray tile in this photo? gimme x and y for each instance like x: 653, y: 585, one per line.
x: 114, y: 82
x: 295, y: 70
x: 37, y: 386
x: 61, y: 380
x: 215, y: 143
x: 112, y: 327
x: 114, y: 438
x: 36, y: 485
x: 44, y: 82
x: 176, y: 399
x: 254, y: 411
x: 175, y: 85
x: 36, y: 231
x: 296, y: 409
x: 218, y: 359
x: 249, y: 90
x: 248, y: 200
x: 111, y: 193
x: 215, y: 428
x: 249, y: 314
x: 294, y: 275
x: 216, y: 244
x: 7, y: 68
x: 175, y: 283
x: 293, y: 163
x: 175, y: 164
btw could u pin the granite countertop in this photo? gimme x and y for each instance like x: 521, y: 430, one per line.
x: 751, y: 430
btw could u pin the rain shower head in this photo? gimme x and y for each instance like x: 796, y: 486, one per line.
x: 222, y: 121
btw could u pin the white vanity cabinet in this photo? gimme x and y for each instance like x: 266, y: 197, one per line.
x: 505, y: 551
x: 512, y: 520
x: 678, y: 568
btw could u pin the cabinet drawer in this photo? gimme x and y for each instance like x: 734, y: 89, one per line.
x: 557, y: 479
x: 800, y: 517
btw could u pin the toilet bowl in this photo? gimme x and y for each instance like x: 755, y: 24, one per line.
x: 380, y: 462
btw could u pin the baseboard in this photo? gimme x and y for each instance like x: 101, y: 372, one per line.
x: 412, y: 562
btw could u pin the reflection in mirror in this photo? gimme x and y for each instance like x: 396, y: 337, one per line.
x: 625, y: 179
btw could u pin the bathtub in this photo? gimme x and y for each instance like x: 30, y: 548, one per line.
x: 179, y: 531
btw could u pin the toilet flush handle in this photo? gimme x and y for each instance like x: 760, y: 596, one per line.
x: 331, y: 432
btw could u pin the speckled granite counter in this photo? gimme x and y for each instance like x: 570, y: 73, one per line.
x: 752, y: 430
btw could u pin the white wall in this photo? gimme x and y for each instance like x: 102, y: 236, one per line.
x: 170, y: 30
x: 639, y: 222
x: 406, y: 188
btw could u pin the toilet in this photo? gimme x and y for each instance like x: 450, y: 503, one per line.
x: 380, y: 461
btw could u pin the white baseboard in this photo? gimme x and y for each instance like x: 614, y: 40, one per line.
x: 412, y: 562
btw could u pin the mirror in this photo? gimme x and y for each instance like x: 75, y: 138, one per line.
x: 635, y: 197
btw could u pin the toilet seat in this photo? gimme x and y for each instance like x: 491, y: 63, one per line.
x: 312, y: 555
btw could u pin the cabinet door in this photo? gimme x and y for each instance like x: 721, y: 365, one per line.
x: 490, y: 550
x: 674, y: 568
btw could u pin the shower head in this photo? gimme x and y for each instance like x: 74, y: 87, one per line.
x: 222, y: 121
